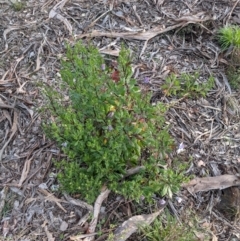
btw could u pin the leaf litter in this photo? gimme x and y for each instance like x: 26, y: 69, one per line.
x: 166, y: 37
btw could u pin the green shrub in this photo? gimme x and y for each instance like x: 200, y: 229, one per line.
x: 107, y: 127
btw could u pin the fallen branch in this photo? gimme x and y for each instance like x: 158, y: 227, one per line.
x: 147, y: 35
x: 143, y: 35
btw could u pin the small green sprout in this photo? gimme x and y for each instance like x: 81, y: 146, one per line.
x: 229, y: 36
x: 187, y: 84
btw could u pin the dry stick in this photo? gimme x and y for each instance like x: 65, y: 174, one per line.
x: 226, y: 82
x: 3, y: 78
x: 49, y: 234
x: 81, y: 236
x: 93, y: 223
x: 13, y: 130
x: 18, y: 60
x: 27, y: 178
x: 50, y: 197
x: 96, y: 212
x: 133, y: 171
x: 7, y: 31
x: 79, y: 203
x: 54, y: 14
x: 98, y: 204
x: 144, y: 35
x: 25, y: 171
x: 40, y: 49
x: 60, y: 5
x: 2, y: 105
x: 95, y: 21
x: 225, y: 222
x: 46, y: 4
x: 137, y: 35
x: 97, y: 207
x: 211, y: 131
x: 230, y: 14
x: 136, y: 14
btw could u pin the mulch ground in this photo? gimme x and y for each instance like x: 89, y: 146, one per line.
x: 165, y: 37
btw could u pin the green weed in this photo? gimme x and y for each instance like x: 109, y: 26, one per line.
x: 6, y: 209
x: 233, y: 69
x: 187, y: 85
x: 167, y: 228
x: 106, y: 128
x: 17, y: 5
x: 8, y: 204
x: 229, y: 36
x: 233, y: 74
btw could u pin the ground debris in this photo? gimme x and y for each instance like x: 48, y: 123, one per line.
x: 166, y: 37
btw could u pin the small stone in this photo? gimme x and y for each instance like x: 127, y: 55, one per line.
x: 63, y: 226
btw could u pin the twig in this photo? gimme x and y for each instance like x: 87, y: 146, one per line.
x: 230, y: 14
x: 3, y: 197
x: 225, y: 221
x: 78, y: 202
x: 103, y: 195
x: 134, y: 170
x: 13, y: 130
x: 95, y: 21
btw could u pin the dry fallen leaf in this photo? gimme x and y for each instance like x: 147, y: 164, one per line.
x: 25, y: 171
x: 130, y: 226
x: 49, y: 235
x: 115, y: 76
x: 5, y: 228
x: 214, y: 237
x: 200, y: 236
x: 201, y: 163
x: 113, y: 52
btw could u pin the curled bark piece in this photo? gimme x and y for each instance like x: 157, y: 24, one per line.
x: 210, y: 183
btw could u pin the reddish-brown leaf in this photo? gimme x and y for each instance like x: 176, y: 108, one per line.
x: 115, y: 76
